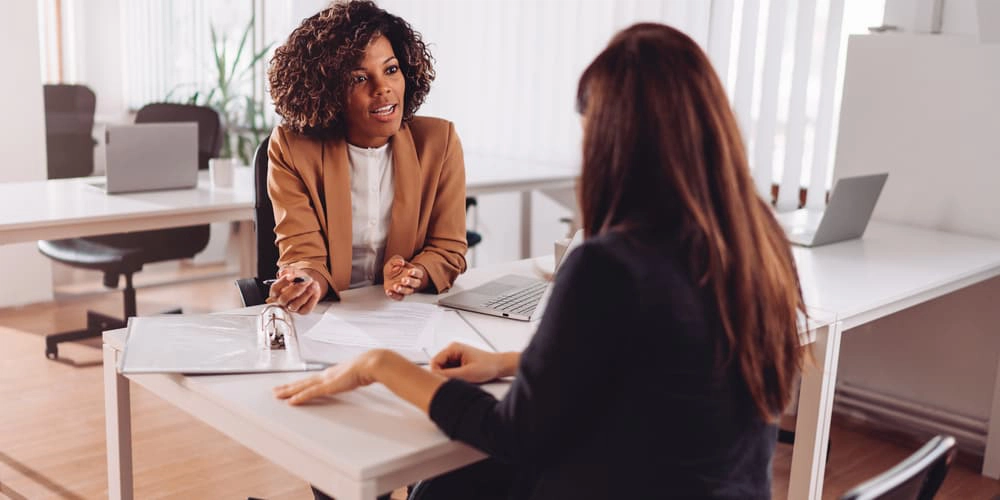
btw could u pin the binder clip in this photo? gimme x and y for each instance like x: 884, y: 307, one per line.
x: 277, y: 324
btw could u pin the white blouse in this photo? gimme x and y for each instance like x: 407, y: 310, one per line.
x: 371, y: 210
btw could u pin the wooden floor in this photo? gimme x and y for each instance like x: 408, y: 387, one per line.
x: 52, y: 422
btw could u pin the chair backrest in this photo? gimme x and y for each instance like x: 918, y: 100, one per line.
x: 209, y: 125
x: 918, y: 477
x: 69, y: 125
x: 267, y: 250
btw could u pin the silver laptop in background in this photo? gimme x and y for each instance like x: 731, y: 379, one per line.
x: 511, y: 296
x: 845, y: 218
x: 151, y: 156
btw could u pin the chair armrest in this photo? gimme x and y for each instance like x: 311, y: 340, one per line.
x: 252, y: 291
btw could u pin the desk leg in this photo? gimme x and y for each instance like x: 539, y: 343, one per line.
x: 248, y: 250
x: 526, y: 224
x: 118, y: 428
x: 991, y: 457
x: 812, y: 425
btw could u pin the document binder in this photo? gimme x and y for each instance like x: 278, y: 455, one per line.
x: 213, y: 344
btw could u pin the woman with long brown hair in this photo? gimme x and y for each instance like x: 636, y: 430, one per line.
x: 669, y: 346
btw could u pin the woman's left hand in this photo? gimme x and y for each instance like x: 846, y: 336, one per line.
x: 402, y: 278
x: 336, y: 379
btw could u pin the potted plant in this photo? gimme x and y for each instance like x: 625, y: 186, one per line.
x: 245, y: 119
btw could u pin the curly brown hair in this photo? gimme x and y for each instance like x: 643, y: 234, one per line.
x: 309, y: 75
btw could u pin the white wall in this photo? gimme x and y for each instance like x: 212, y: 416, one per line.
x: 27, y: 275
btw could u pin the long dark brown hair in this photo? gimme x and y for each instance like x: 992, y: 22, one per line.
x: 662, y: 151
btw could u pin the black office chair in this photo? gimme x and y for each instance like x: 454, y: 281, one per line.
x: 124, y: 254
x: 918, y: 477
x: 473, y: 238
x: 253, y: 291
x: 69, y: 125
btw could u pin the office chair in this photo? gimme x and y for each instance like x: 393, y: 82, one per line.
x: 917, y: 477
x: 473, y: 238
x: 69, y: 125
x: 124, y: 254
x: 253, y: 291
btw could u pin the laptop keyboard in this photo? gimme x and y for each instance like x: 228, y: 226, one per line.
x: 519, y: 301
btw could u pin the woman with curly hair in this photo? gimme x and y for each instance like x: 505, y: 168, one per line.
x: 364, y: 191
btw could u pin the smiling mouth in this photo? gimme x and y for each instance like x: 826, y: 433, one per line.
x: 386, y: 110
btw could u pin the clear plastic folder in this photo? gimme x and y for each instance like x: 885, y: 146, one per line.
x: 213, y: 344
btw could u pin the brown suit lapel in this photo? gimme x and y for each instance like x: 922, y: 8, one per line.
x: 406, y: 202
x: 337, y: 193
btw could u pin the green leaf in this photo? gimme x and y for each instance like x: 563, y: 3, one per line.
x: 239, y: 51
x: 256, y: 58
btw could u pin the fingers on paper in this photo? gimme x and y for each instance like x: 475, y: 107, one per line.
x: 288, y: 390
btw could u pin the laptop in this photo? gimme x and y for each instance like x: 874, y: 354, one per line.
x: 845, y: 217
x: 511, y: 296
x: 150, y: 157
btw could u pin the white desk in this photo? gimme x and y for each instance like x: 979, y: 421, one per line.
x: 369, y: 442
x: 894, y: 267
x: 70, y: 208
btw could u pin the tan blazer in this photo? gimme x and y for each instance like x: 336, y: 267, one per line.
x: 310, y: 185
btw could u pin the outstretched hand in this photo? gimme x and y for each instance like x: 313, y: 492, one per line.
x: 342, y: 377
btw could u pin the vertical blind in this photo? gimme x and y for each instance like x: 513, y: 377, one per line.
x: 507, y: 74
x: 507, y: 69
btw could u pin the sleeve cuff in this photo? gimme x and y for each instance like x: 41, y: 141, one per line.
x: 450, y: 403
x: 331, y: 292
x: 439, y: 281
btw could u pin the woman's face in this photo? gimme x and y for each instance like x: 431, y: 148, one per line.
x: 375, y: 96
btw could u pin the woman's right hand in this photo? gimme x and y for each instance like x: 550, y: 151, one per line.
x: 297, y: 297
x: 472, y: 365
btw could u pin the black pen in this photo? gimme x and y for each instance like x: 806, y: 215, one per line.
x: 298, y: 279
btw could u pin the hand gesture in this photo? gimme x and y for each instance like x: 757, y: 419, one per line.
x: 342, y: 377
x: 297, y: 296
x: 468, y: 363
x: 402, y: 278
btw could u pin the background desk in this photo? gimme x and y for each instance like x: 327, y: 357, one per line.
x: 487, y: 175
x: 894, y: 267
x: 70, y: 208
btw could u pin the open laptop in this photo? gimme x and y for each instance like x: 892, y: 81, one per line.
x: 150, y: 156
x: 845, y: 217
x: 511, y: 296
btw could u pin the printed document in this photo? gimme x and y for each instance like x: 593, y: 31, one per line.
x: 399, y: 326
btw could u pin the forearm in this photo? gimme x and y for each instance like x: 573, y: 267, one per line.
x: 406, y: 380
x: 509, y: 362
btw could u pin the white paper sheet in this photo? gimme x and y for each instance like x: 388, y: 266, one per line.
x: 399, y: 326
